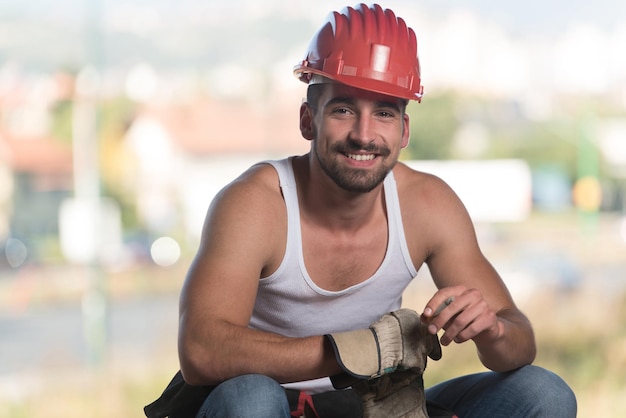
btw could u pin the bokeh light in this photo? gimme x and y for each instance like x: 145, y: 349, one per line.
x: 165, y: 251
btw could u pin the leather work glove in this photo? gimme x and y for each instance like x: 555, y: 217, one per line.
x: 397, y: 341
x: 396, y: 395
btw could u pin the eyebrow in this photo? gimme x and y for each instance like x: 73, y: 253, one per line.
x: 351, y: 101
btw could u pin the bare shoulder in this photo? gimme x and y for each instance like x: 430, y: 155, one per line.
x: 421, y: 189
x: 248, y: 211
x: 255, y: 191
x: 432, y: 213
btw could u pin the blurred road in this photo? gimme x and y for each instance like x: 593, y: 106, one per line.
x: 51, y: 337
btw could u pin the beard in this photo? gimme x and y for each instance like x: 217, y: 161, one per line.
x: 353, y: 179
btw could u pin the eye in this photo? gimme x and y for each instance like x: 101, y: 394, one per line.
x: 341, y: 112
x: 386, y: 114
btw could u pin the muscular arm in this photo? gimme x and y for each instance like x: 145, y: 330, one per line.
x: 482, y: 310
x: 242, y: 240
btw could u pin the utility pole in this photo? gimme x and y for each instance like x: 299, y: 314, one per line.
x: 83, y: 218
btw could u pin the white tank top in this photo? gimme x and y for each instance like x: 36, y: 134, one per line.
x: 289, y: 303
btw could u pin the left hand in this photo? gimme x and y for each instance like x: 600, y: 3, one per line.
x: 463, y: 313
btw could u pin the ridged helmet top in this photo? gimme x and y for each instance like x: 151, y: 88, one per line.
x: 368, y: 48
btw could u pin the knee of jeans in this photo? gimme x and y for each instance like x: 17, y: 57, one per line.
x: 549, y: 392
x: 247, y: 395
x: 261, y: 386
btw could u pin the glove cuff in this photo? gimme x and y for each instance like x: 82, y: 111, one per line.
x: 357, y: 352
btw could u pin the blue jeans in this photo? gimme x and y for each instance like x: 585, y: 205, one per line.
x: 247, y: 396
x: 528, y: 392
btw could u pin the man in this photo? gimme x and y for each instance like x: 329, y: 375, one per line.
x: 296, y: 252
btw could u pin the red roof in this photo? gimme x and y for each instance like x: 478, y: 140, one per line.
x: 40, y: 155
x: 215, y: 127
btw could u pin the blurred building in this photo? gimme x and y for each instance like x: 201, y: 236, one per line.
x: 35, y: 168
x: 187, y: 152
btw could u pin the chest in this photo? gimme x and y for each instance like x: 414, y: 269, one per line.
x: 336, y: 261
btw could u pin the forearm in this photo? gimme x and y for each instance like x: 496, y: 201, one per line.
x: 513, y: 347
x: 228, y: 351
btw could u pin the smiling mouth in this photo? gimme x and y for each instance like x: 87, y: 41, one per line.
x: 361, y: 157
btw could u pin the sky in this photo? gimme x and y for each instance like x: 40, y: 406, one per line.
x: 542, y: 16
x: 453, y: 35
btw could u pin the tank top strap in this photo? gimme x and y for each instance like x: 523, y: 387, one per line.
x: 287, y: 182
x: 396, y: 227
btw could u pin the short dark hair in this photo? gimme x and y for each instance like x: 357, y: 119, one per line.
x: 313, y: 93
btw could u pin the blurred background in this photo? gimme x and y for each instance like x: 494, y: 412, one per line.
x: 120, y: 120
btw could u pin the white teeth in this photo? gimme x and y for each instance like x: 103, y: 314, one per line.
x: 361, y: 157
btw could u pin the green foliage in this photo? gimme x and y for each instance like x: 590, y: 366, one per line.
x: 113, y: 118
x: 432, y: 125
x: 116, y: 115
x: 508, y: 132
x: 538, y: 143
x: 61, y: 114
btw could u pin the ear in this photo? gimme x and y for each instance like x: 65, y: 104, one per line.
x: 306, y: 122
x: 406, y: 132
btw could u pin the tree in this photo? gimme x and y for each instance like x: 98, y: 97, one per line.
x: 433, y: 123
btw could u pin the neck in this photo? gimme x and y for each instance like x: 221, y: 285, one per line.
x: 326, y: 204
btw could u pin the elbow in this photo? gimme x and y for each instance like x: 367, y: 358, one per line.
x: 192, y: 378
x: 508, y: 354
x: 503, y: 366
x: 507, y: 363
x: 532, y: 354
x: 195, y: 366
x: 192, y: 375
x: 529, y: 354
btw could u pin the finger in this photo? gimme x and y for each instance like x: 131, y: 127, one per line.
x: 443, y: 306
x: 486, y: 321
x: 448, y: 311
x: 455, y: 326
x: 471, y: 321
x: 438, y: 303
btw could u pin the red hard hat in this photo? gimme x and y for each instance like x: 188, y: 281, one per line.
x: 368, y: 48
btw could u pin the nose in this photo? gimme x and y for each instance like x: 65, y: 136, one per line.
x: 362, y: 131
